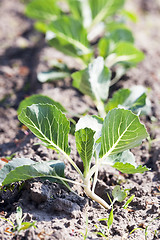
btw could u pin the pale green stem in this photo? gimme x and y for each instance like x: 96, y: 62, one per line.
x: 96, y: 174
x: 66, y: 180
x: 100, y: 107
x: 92, y: 195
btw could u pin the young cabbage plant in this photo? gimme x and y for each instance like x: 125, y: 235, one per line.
x: 74, y: 29
x: 95, y: 82
x: 98, y: 141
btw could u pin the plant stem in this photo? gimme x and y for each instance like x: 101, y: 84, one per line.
x: 100, y: 106
x: 73, y: 164
x: 92, y: 195
x: 95, y: 175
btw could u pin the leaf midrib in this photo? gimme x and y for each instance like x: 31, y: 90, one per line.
x: 116, y: 143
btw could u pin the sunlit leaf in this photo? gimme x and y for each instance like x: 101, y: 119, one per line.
x: 38, y: 98
x: 121, y: 131
x: 49, y: 124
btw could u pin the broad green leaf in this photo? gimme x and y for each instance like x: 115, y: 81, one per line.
x: 85, y: 144
x: 119, y: 194
x: 129, y: 168
x: 110, y: 219
x: 29, y: 171
x: 124, y: 162
x: 93, y: 81
x: 118, y: 98
x: 124, y: 157
x: 38, y: 98
x: 121, y: 131
x: 71, y: 32
x: 52, y: 76
x: 49, y: 124
x: 134, y: 99
x: 11, y: 165
x: 47, y: 10
x: 104, y: 8
x: 124, y: 53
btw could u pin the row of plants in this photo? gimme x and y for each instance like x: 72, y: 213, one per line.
x: 94, y: 32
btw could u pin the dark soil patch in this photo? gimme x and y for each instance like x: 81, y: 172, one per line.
x: 61, y: 214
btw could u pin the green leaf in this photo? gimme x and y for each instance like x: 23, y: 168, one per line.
x: 124, y: 157
x: 70, y: 32
x: 52, y: 76
x: 110, y: 219
x: 38, y: 98
x: 23, y: 169
x: 125, y: 53
x: 121, y: 34
x: 104, y: 47
x: 92, y: 122
x: 47, y: 10
x: 118, y: 98
x: 85, y: 143
x: 121, y: 131
x: 129, y: 168
x: 125, y: 206
x: 102, y: 9
x: 124, y: 162
x: 49, y: 124
x: 95, y: 124
x: 93, y: 81
x: 134, y: 99
x: 26, y: 225
x: 130, y: 15
x: 119, y: 194
x: 11, y: 165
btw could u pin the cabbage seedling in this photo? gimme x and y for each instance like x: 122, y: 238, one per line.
x: 98, y: 141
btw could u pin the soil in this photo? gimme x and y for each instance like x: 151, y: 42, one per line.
x: 59, y: 213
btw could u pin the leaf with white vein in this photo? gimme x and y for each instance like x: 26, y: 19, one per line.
x: 49, y: 124
x: 121, y: 130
